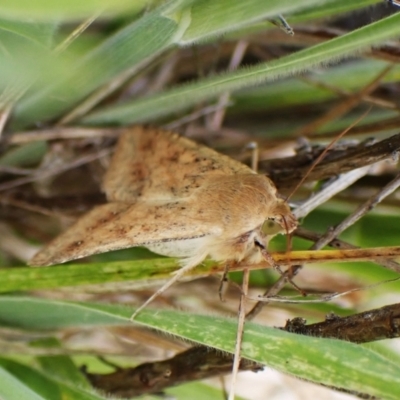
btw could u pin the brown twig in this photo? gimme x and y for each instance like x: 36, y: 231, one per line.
x: 193, y: 364
x: 59, y: 133
x: 287, y: 172
x: 40, y: 174
x: 237, y: 57
x: 369, y: 326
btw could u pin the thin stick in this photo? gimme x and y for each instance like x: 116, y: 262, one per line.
x: 330, y: 190
x: 76, y: 33
x: 4, y: 114
x: 97, y: 96
x: 195, y: 115
x: 376, y: 101
x: 236, y: 59
x: 50, y: 172
x: 242, y: 303
x: 346, y: 105
x: 272, y: 291
x: 341, y: 244
x: 321, y: 298
x: 322, y: 155
x: 358, y: 213
x: 62, y: 134
x: 239, y: 333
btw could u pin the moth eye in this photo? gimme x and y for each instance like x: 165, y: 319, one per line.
x: 271, y: 227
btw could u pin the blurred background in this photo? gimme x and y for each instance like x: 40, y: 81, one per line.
x: 289, y: 76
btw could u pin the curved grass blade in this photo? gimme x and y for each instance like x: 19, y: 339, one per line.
x: 327, y: 361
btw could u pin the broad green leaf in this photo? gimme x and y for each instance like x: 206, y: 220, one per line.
x: 182, y: 97
x: 327, y: 361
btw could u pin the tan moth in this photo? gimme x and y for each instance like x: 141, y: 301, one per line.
x: 179, y: 199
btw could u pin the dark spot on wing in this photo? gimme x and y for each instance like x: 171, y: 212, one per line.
x: 147, y: 144
x: 138, y: 171
x: 74, y: 245
x: 173, y: 157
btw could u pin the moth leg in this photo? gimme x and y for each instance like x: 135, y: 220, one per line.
x: 276, y: 267
x: 223, y: 283
x: 109, y: 363
x: 291, y: 273
x: 190, y: 264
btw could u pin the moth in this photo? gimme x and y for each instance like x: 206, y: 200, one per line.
x: 179, y: 199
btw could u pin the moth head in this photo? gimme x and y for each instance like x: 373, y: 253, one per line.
x: 280, y: 221
x: 260, y: 237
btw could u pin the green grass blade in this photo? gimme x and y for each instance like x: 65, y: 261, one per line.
x: 328, y: 361
x: 331, y: 9
x: 60, y: 366
x: 211, y: 18
x: 182, y: 97
x: 24, y: 53
x: 27, y: 278
x: 40, y: 386
x: 291, y: 92
x: 12, y: 388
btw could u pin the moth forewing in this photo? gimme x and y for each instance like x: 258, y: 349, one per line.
x: 115, y: 226
x: 151, y: 164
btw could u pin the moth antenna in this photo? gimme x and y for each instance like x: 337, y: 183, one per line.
x: 327, y: 148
